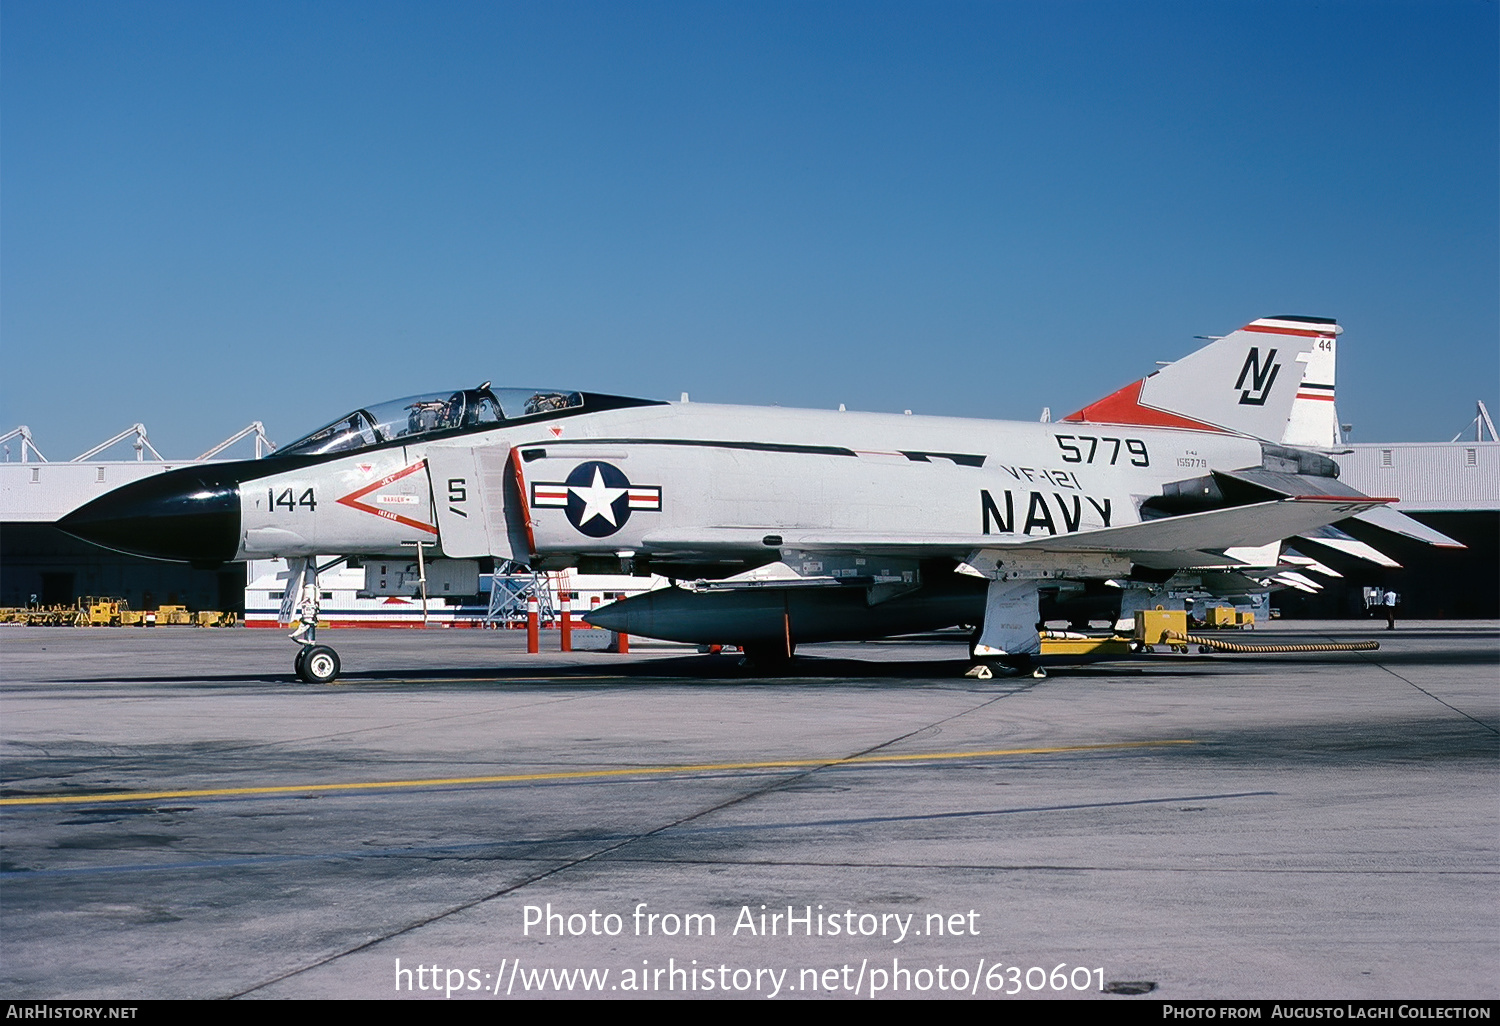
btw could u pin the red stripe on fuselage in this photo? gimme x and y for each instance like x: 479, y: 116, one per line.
x: 515, y: 466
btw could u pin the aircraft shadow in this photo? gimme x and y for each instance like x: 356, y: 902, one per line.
x: 829, y: 669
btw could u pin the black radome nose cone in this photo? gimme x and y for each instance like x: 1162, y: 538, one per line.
x: 190, y: 515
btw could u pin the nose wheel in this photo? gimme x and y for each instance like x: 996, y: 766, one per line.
x: 317, y: 664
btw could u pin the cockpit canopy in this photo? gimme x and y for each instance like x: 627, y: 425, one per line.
x: 442, y: 413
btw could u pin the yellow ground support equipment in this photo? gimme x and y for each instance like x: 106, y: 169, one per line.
x: 1055, y: 643
x: 1226, y: 618
x: 173, y: 616
x: 1183, y: 639
x: 100, y: 612
x: 51, y: 616
x: 1163, y: 627
x: 1220, y: 617
x: 1153, y: 625
x: 94, y: 611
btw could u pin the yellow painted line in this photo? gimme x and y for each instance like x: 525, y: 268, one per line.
x: 634, y: 771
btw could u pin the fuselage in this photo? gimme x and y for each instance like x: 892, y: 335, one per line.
x: 651, y: 479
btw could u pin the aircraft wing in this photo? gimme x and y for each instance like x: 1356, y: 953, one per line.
x: 1193, y: 539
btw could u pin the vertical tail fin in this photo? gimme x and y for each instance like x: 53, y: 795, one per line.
x: 1248, y: 382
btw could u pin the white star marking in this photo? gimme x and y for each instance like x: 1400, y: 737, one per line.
x: 598, y: 499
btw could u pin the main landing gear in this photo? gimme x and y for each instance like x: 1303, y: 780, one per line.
x: 1007, y: 642
x: 989, y: 668
x: 317, y: 664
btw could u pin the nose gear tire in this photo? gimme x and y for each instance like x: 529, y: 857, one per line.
x: 318, y: 665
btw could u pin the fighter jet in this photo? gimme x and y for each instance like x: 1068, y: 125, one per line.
x: 889, y: 523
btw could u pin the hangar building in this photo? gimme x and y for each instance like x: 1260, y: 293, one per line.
x: 41, y: 565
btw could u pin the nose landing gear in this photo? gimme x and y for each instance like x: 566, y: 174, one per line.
x: 317, y: 664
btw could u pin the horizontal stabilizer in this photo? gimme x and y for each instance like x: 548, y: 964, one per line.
x: 1396, y: 522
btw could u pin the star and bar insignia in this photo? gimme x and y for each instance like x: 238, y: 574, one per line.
x: 597, y: 496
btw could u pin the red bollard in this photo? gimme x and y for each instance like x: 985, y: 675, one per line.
x: 533, y: 638
x: 622, y: 644
x: 566, y: 628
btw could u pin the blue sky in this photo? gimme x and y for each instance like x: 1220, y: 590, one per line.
x: 213, y: 213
